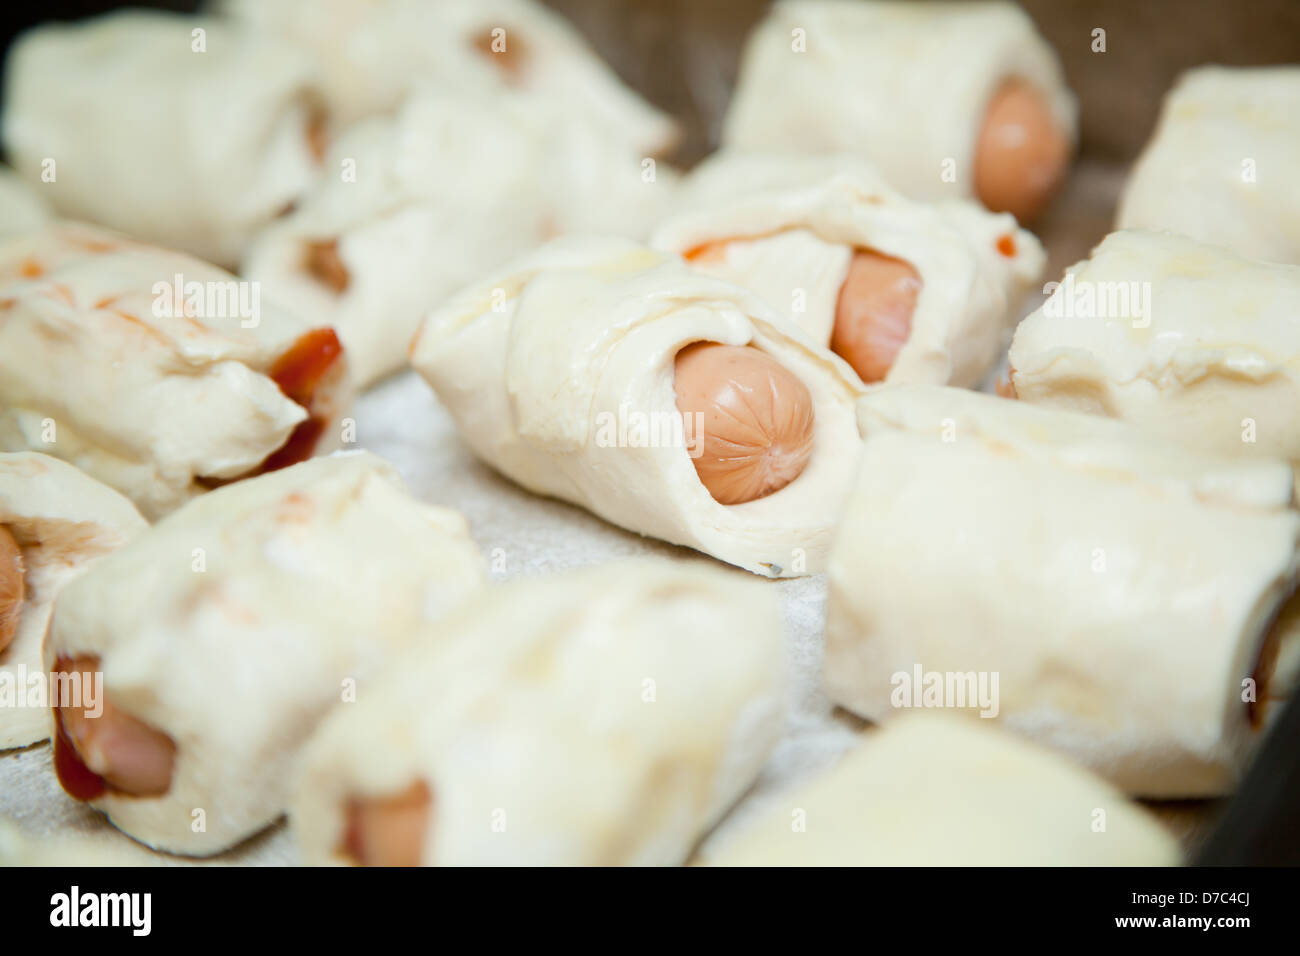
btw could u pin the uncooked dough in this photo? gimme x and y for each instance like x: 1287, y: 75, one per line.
x: 413, y: 207
x: 192, y: 133
x: 606, y: 716
x: 559, y: 373
x: 904, y: 85
x: 100, y: 365
x: 935, y: 791
x: 289, y: 590
x: 792, y: 224
x: 1089, y: 585
x: 62, y: 520
x: 1185, y: 339
x: 1221, y: 165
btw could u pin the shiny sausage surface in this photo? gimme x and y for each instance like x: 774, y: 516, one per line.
x: 751, y: 417
x: 1021, y: 155
x: 873, y: 317
x: 13, y: 586
x: 100, y: 747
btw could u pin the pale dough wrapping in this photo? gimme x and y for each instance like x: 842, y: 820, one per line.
x: 1182, y: 338
x: 793, y: 223
x: 549, y: 367
x: 417, y: 207
x: 373, y: 54
x: 1121, y: 589
x: 935, y: 791
x: 22, y: 210
x: 1221, y: 165
x: 607, y: 716
x: 191, y: 149
x: 99, y: 367
x: 904, y: 85
x: 62, y: 520
x: 287, y: 590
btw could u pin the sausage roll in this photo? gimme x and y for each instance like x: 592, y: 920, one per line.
x: 1181, y: 338
x: 1221, y: 165
x: 24, y: 210
x: 185, y: 132
x: 54, y: 521
x: 374, y: 52
x: 414, y: 208
x: 936, y: 791
x: 600, y: 717
x: 226, y: 632
x: 158, y: 374
x: 668, y: 402
x: 902, y: 290
x: 948, y: 100
x: 1105, y: 592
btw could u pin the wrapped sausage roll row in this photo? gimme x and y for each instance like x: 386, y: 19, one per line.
x: 933, y: 791
x: 373, y: 55
x: 24, y: 210
x: 1109, y: 594
x: 414, y: 207
x: 54, y: 521
x: 185, y: 132
x: 902, y: 290
x: 158, y: 374
x: 665, y: 401
x: 948, y: 100
x: 1182, y: 338
x: 602, y: 717
x: 1221, y: 165
x: 227, y: 631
